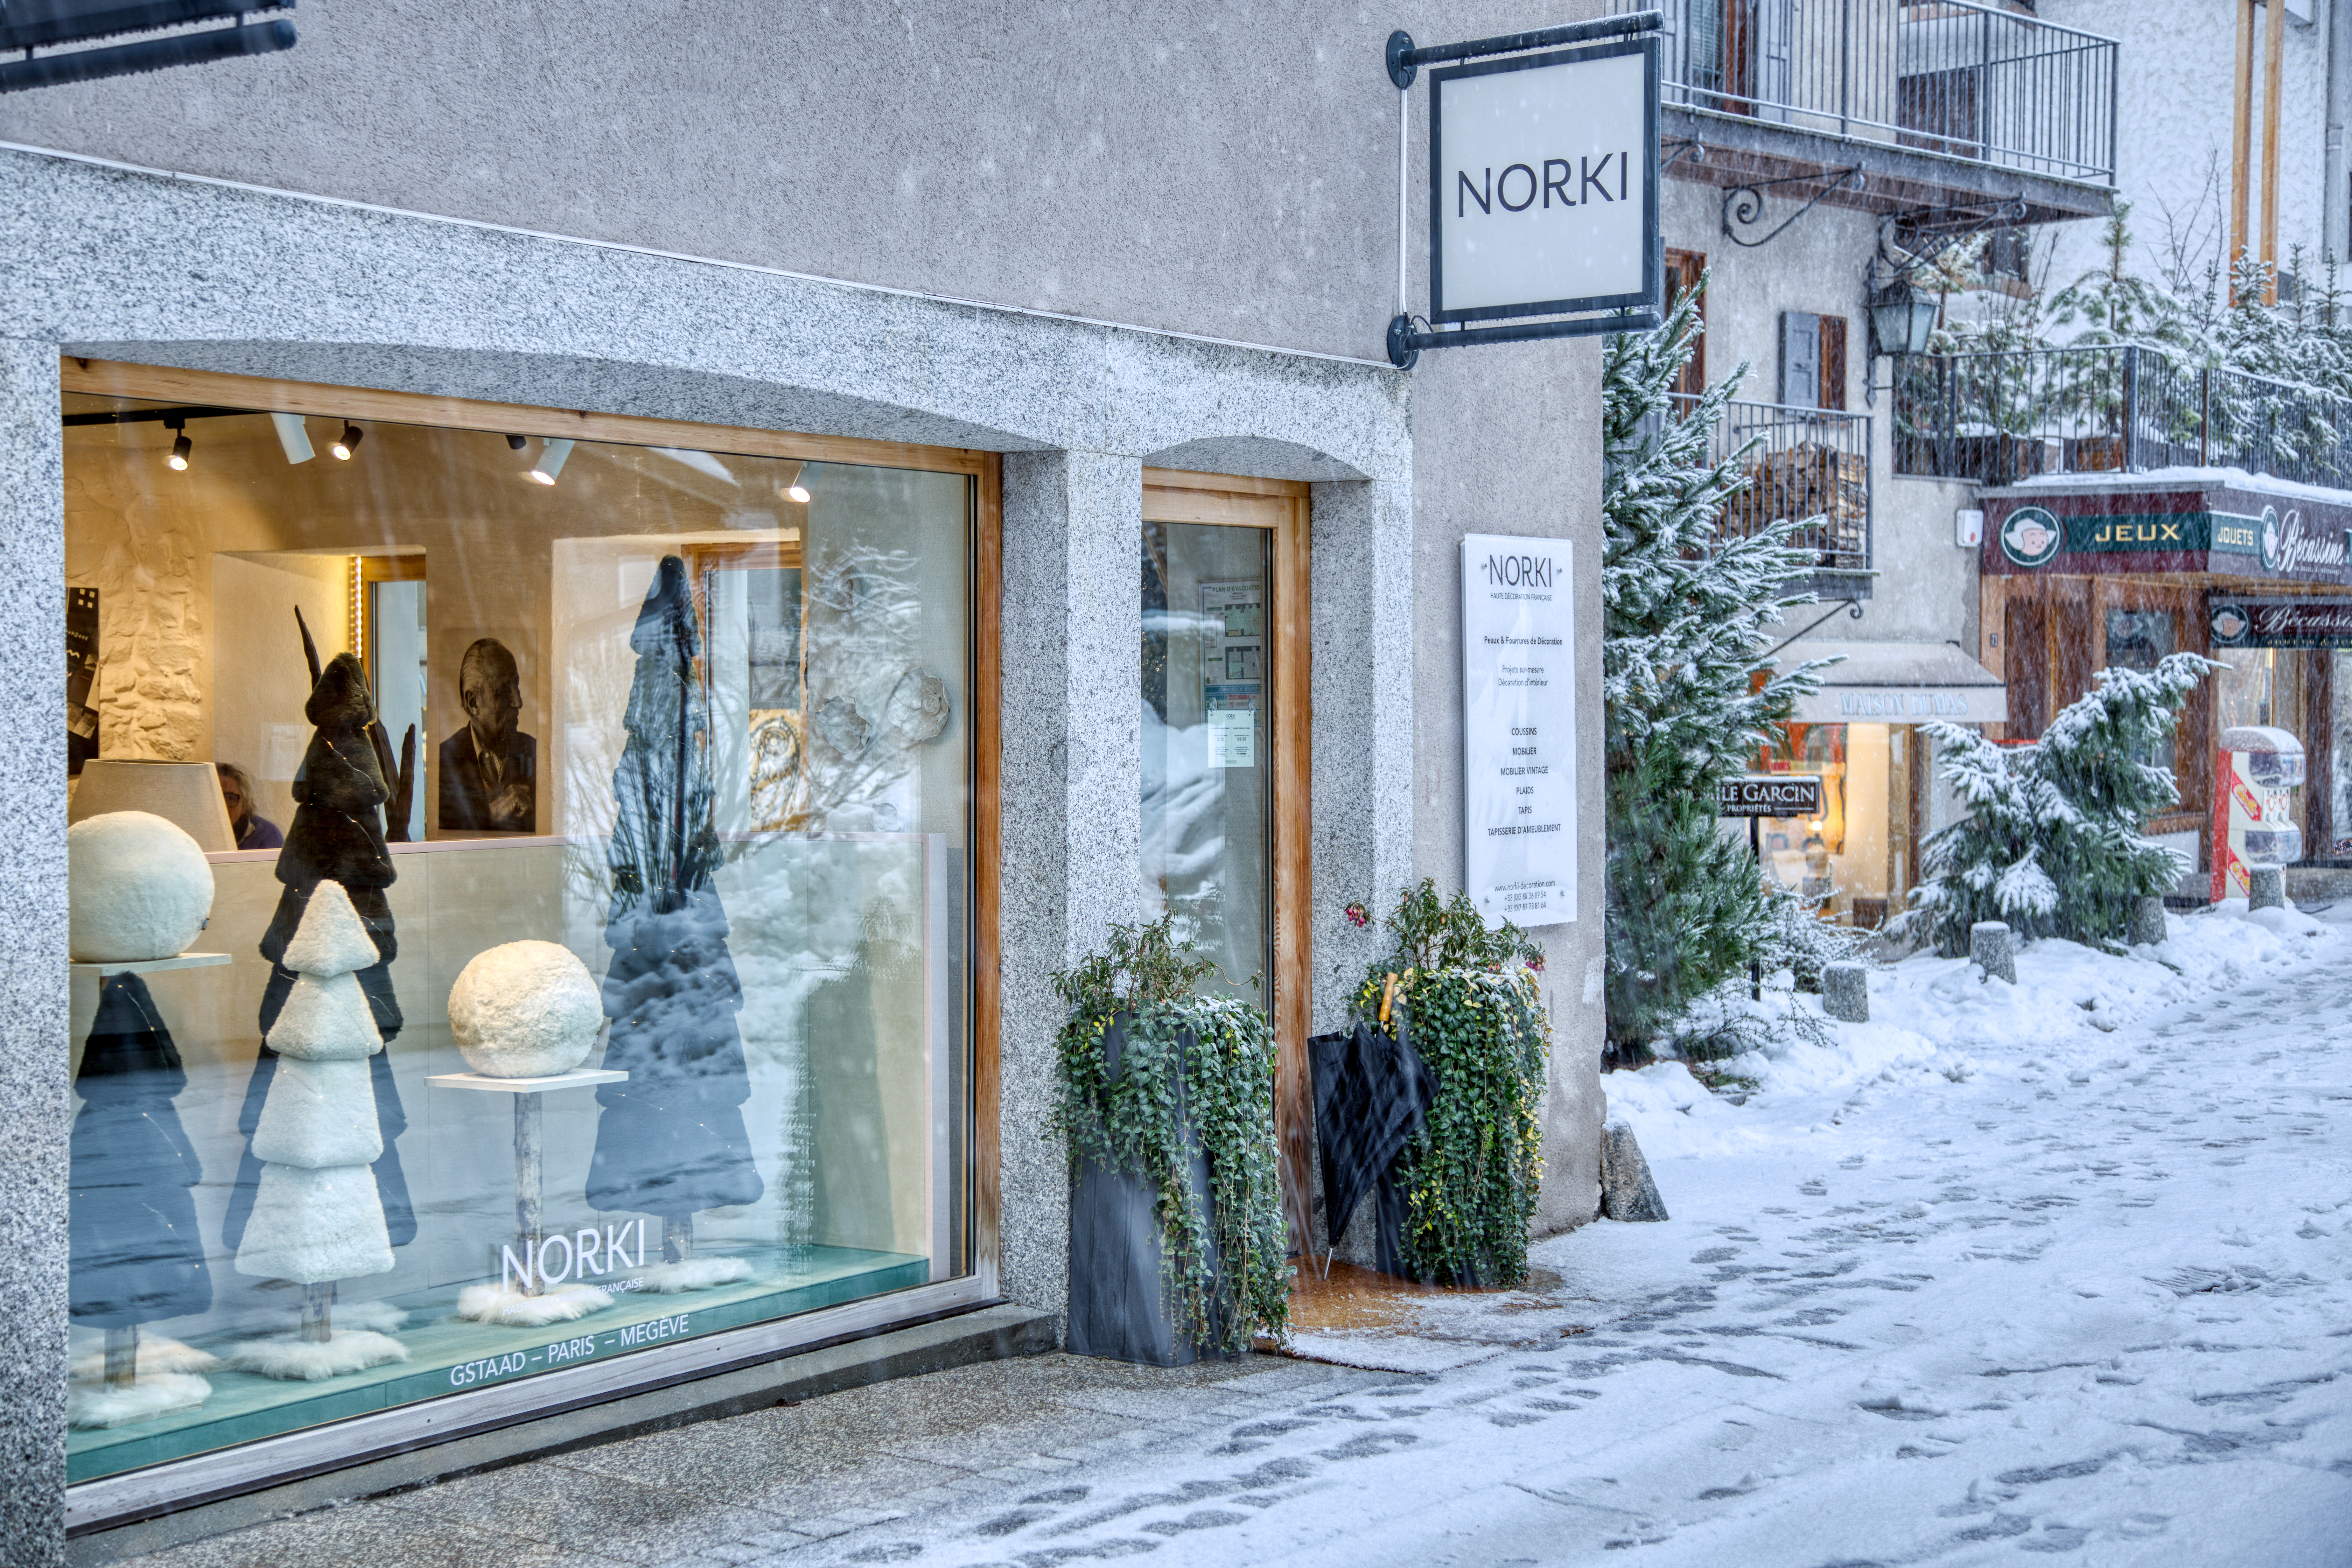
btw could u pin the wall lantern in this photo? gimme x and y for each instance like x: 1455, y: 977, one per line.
x: 1902, y: 319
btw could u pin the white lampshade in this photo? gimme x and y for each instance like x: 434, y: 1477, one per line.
x: 187, y: 795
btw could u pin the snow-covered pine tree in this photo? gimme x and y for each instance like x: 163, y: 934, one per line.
x: 2052, y: 845
x: 1686, y: 612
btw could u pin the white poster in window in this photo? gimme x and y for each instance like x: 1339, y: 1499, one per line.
x: 1518, y: 729
x: 1232, y: 669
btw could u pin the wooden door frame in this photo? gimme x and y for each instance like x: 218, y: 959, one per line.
x: 1280, y: 507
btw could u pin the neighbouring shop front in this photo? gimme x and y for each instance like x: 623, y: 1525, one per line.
x: 1861, y: 734
x: 2089, y: 575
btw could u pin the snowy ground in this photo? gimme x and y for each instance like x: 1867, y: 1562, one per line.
x: 2058, y: 1268
x: 2053, y: 1269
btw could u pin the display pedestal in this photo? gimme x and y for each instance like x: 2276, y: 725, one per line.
x: 531, y: 1303
x: 149, y: 966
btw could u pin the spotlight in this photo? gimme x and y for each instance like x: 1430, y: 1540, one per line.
x: 514, y: 443
x: 293, y: 437
x: 181, y: 448
x: 799, y: 493
x: 551, y: 461
x: 347, y: 443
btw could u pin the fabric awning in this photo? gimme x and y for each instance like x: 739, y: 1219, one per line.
x: 1897, y: 683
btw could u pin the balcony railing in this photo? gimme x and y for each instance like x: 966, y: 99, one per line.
x: 1975, y: 81
x: 1998, y: 417
x: 1810, y: 466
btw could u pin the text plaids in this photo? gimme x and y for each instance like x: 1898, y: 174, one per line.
x: 1519, y: 727
x: 1543, y: 194
x: 1769, y: 794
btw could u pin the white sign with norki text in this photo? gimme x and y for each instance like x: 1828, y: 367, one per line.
x: 1543, y: 185
x: 1519, y: 727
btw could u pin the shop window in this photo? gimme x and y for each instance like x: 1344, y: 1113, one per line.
x: 693, y: 718
x: 2138, y: 639
x: 1857, y: 862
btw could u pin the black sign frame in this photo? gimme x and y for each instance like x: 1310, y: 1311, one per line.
x: 1652, y: 293
x: 1769, y: 794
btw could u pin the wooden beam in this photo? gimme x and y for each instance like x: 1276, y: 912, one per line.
x: 2273, y: 50
x: 2241, y: 137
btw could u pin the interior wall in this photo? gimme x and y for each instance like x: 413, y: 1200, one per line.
x: 264, y: 681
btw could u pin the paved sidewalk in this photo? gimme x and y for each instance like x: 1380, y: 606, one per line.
x: 999, y: 1436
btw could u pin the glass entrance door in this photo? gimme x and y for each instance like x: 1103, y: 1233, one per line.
x: 1208, y: 762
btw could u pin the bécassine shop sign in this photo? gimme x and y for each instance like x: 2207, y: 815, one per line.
x: 2220, y: 531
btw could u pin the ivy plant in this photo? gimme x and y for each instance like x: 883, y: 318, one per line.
x: 1469, y: 999
x: 1205, y: 1064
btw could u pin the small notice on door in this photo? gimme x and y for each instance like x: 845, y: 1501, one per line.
x: 1518, y: 729
x: 1232, y: 669
x: 1233, y: 738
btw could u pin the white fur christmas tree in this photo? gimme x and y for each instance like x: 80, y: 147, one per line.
x: 318, y: 1217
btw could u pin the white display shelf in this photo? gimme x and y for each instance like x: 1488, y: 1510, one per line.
x: 152, y: 965
x: 578, y: 1076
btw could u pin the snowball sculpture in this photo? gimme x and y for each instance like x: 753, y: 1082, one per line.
x: 142, y: 888
x: 528, y: 1009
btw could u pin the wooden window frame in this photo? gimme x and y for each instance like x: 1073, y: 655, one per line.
x: 1280, y: 507
x: 983, y: 1239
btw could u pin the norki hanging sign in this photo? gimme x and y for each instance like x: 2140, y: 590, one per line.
x: 1543, y: 186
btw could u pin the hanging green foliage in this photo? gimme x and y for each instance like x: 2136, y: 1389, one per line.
x: 1470, y: 1002
x: 1192, y: 1069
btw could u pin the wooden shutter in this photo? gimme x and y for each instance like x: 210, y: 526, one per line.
x: 1684, y: 270
x: 1832, y: 379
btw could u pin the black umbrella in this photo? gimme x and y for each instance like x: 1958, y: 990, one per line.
x: 1371, y: 1094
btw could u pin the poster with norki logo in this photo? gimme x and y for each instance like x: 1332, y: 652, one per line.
x: 1519, y: 727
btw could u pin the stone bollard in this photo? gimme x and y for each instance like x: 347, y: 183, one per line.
x: 2265, y: 888
x: 1845, y: 992
x: 1627, y: 1190
x: 2148, y: 921
x: 1992, y: 945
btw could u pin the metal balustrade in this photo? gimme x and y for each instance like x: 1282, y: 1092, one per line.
x: 1999, y: 417
x: 1810, y: 466
x: 1953, y: 77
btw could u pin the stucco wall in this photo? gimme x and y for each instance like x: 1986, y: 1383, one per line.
x: 2174, y: 127
x: 1926, y: 587
x: 1474, y: 410
x: 1195, y: 166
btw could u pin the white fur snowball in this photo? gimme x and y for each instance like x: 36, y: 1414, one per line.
x: 142, y: 888
x: 528, y: 1009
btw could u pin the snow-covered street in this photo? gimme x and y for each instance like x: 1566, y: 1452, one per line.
x: 2060, y: 1269
x: 2057, y: 1269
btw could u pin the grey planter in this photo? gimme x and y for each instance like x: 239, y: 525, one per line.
x: 1119, y: 1309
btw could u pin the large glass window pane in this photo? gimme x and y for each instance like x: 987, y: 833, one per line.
x: 1208, y: 762
x: 694, y: 722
